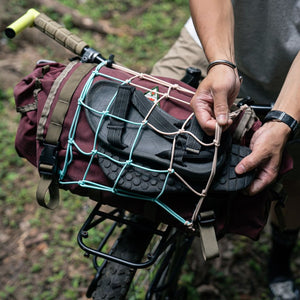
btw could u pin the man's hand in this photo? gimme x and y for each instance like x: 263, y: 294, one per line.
x: 267, y: 146
x: 214, y: 96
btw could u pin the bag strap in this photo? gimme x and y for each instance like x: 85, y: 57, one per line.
x: 50, y: 98
x: 186, y: 148
x: 144, y: 106
x: 207, y: 235
x: 37, y: 88
x: 119, y: 108
x: 127, y: 96
x: 48, y: 159
x: 192, y: 145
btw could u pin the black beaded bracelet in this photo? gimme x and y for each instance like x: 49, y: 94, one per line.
x: 282, y: 117
x: 221, y: 62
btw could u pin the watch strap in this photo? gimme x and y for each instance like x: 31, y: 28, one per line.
x: 282, y: 117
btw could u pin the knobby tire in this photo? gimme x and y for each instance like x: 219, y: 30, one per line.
x: 116, y: 278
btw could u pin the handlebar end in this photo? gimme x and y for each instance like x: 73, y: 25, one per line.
x: 26, y: 20
x: 10, y: 33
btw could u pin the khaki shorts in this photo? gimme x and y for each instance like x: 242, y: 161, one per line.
x: 183, y: 54
x: 187, y: 53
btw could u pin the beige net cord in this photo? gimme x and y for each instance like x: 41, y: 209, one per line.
x: 216, y: 141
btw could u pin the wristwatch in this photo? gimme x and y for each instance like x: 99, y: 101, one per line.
x: 282, y: 117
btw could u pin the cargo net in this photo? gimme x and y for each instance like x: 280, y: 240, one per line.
x: 125, y: 164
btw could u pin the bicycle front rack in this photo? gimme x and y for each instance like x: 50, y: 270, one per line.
x: 119, y: 218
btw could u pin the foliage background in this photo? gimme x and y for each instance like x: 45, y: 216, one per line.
x: 39, y: 255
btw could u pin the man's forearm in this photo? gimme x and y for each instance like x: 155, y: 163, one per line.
x: 214, y: 23
x: 289, y: 97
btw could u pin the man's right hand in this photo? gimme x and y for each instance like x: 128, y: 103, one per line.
x: 214, y: 96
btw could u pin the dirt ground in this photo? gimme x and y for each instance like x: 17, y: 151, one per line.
x: 25, y: 258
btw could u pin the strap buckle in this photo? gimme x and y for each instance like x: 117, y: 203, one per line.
x: 207, y: 218
x: 209, y: 244
x: 48, y: 160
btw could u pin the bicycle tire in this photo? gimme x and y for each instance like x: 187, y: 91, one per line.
x: 115, y: 279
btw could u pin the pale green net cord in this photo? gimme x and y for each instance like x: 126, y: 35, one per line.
x: 130, y: 162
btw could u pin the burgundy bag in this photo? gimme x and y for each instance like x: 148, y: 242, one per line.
x: 40, y: 93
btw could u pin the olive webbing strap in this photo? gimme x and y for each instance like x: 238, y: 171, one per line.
x: 47, y: 168
x: 207, y: 235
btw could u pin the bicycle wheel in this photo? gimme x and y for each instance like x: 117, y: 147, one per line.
x: 157, y: 282
x: 115, y: 278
